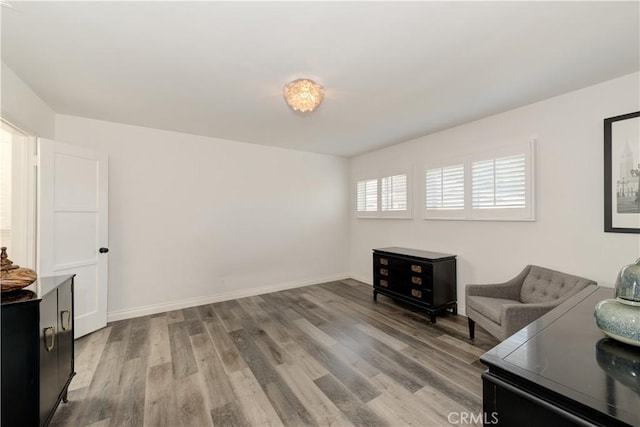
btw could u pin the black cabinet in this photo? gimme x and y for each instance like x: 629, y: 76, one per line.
x: 561, y: 370
x: 424, y: 279
x: 37, y: 350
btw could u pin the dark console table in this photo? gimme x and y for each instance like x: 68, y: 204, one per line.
x: 562, y: 371
x: 37, y: 350
x: 423, y: 279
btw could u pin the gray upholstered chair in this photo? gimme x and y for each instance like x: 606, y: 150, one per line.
x: 505, y: 308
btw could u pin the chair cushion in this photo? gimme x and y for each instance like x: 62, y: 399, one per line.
x: 544, y: 285
x: 489, y: 307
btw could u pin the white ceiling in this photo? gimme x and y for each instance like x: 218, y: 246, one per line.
x: 391, y: 71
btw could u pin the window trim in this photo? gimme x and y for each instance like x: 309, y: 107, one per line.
x: 528, y: 213
x: 379, y: 213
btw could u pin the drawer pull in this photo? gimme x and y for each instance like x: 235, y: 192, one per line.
x: 384, y: 261
x: 384, y: 271
x: 384, y: 283
x: 416, y: 293
x: 65, y: 317
x: 416, y: 280
x: 416, y: 268
x: 53, y: 338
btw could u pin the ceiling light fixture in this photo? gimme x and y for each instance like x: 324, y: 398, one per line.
x: 303, y: 94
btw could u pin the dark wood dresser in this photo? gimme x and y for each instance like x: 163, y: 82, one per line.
x: 37, y: 350
x: 561, y: 370
x: 424, y: 279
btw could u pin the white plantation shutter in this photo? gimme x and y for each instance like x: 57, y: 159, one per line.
x: 445, y: 188
x: 433, y: 188
x: 499, y: 183
x: 393, y: 193
x: 493, y: 185
x: 482, y: 184
x: 510, y: 182
x: 367, y: 195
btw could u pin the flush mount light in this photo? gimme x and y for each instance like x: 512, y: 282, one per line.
x: 303, y: 94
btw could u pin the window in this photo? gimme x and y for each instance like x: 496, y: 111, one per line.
x: 368, y: 195
x: 386, y: 197
x: 445, y: 188
x: 499, y: 183
x: 492, y: 185
x: 394, y: 193
x: 17, y: 195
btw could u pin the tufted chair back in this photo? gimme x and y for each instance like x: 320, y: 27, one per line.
x: 544, y: 285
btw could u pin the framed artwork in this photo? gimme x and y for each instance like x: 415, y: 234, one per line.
x: 622, y: 173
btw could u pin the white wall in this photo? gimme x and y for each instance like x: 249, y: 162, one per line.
x: 23, y: 108
x: 568, y: 234
x: 195, y: 219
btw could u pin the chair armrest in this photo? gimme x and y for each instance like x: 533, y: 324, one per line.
x: 517, y: 316
x: 506, y: 290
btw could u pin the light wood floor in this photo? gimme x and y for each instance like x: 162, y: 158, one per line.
x: 319, y: 355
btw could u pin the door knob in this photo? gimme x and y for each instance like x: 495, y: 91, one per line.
x: 103, y: 250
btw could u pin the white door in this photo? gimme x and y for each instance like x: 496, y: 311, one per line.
x: 72, y: 226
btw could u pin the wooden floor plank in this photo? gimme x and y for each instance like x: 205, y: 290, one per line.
x: 68, y: 413
x: 382, y: 337
x: 160, y: 406
x: 289, y: 408
x: 252, y: 399
x: 214, y: 378
x: 182, y: 358
x: 99, y: 402
x: 226, y: 349
x: 160, y: 348
x: 357, y: 412
x: 322, y: 409
x: 314, y: 333
x: 131, y: 394
x: 228, y: 415
x: 175, y: 316
x: 224, y: 311
x: 192, y: 410
x: 88, y: 356
x: 400, y: 407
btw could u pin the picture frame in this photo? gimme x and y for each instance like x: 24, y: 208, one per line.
x: 622, y: 173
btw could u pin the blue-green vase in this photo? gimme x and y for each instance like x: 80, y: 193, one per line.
x: 628, y: 284
x: 619, y: 318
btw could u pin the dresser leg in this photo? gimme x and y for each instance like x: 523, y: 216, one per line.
x: 454, y: 309
x: 375, y: 296
x: 433, y: 317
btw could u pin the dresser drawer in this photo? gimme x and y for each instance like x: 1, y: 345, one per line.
x: 391, y: 284
x: 401, y: 267
x: 394, y: 263
x: 421, y: 294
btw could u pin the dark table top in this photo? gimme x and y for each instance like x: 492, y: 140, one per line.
x: 566, y: 354
x: 415, y: 253
x: 35, y: 291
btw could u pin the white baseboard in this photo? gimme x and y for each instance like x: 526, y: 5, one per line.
x: 361, y: 279
x: 194, y: 302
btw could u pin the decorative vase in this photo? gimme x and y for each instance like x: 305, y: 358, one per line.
x: 12, y: 277
x: 619, y: 318
x: 628, y: 283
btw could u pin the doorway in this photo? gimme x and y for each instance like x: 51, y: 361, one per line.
x: 18, y: 195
